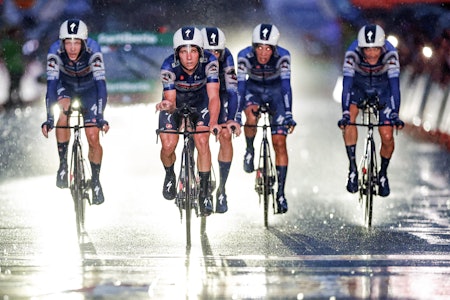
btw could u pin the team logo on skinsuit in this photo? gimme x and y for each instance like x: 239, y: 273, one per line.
x: 51, y: 63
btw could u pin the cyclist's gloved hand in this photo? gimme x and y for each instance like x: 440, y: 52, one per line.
x: 395, y: 120
x: 101, y: 123
x: 49, y: 124
x: 288, y: 121
x: 344, y: 121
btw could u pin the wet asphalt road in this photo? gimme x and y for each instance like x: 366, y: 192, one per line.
x: 135, y: 244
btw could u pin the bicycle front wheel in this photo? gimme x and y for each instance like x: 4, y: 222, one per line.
x: 78, y: 187
x: 368, y: 182
x: 268, y: 174
x: 190, y: 190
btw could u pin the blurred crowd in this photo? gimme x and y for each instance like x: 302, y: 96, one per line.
x: 27, y: 27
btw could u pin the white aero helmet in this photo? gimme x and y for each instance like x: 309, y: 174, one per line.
x: 188, y: 35
x: 266, y: 34
x: 73, y: 29
x: 371, y: 36
x: 213, y: 38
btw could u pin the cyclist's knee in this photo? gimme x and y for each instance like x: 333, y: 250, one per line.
x: 386, y: 137
x: 225, y: 136
x: 279, y: 143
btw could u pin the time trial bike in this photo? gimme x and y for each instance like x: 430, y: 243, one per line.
x: 188, y: 183
x: 265, y: 173
x: 368, y: 168
x: 79, y: 172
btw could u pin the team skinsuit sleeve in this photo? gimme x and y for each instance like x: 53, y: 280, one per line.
x: 348, y: 71
x: 393, y: 71
x: 284, y: 65
x: 243, y: 64
x: 53, y: 63
x: 231, y: 85
x: 99, y: 74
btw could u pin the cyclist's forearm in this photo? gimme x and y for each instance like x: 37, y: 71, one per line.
x: 101, y: 96
x: 51, y: 97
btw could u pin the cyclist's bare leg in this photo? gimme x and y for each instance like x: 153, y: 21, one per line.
x: 387, y: 148
x: 279, y: 145
x: 387, y: 141
x: 224, y: 159
x: 204, y: 152
x: 351, y: 132
x: 281, y: 164
x: 204, y: 169
x: 226, y: 147
x: 250, y: 133
x: 62, y: 139
x: 169, y: 143
x: 95, y: 155
x: 63, y: 134
x: 251, y: 119
x: 95, y: 148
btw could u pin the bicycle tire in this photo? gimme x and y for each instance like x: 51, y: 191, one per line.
x: 372, y: 179
x: 366, y: 190
x: 77, y: 187
x: 266, y: 181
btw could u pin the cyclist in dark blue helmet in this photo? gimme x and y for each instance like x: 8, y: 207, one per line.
x: 214, y: 41
x: 75, y: 68
x: 371, y: 62
x: 264, y: 76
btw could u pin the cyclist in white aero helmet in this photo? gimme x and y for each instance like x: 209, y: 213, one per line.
x: 190, y: 76
x: 371, y: 62
x: 75, y: 68
x: 214, y: 42
x: 264, y: 77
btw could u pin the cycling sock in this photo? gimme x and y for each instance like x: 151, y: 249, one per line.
x: 281, y: 175
x: 249, y: 141
x: 169, y: 169
x: 351, y: 149
x: 384, y: 165
x: 62, y: 151
x: 224, y: 169
x: 95, y: 171
x: 204, y: 182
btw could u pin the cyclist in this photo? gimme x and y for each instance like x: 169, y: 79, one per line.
x: 75, y: 68
x: 214, y: 41
x: 264, y: 76
x: 371, y: 62
x: 189, y: 76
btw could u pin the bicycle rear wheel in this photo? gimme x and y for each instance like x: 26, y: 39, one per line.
x: 78, y: 186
